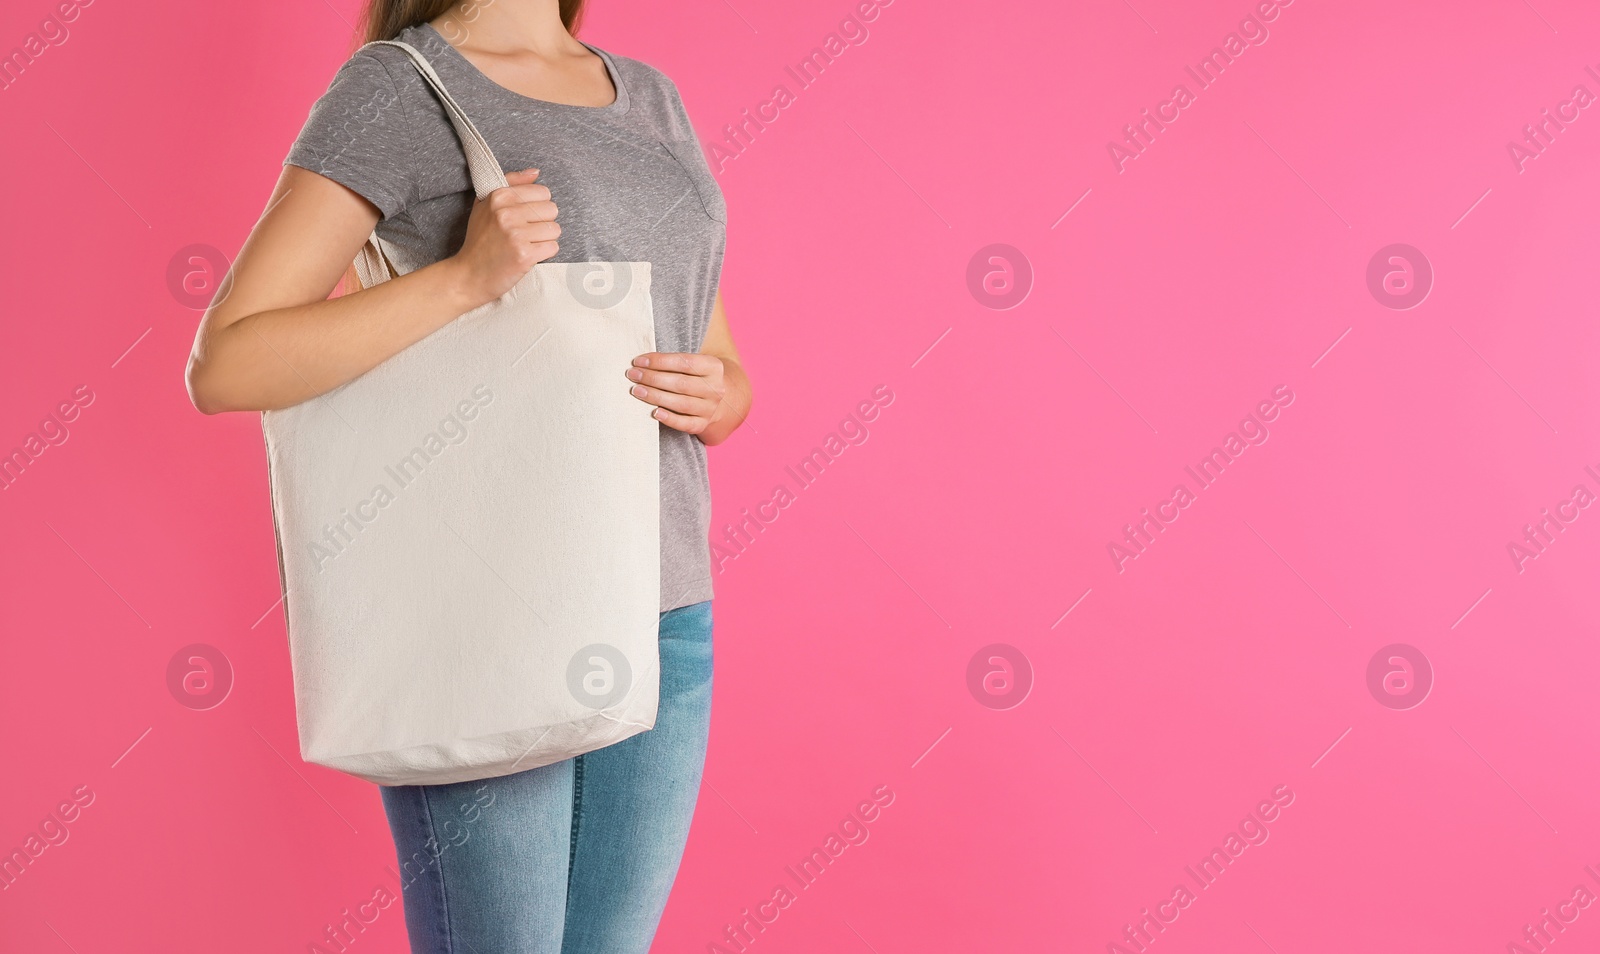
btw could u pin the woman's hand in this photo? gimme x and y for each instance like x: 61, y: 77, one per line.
x: 276, y: 339
x: 689, y: 392
x: 509, y: 231
x: 705, y: 394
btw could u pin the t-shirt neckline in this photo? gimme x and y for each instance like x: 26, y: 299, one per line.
x: 617, y: 105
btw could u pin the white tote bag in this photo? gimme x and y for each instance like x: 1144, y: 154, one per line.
x: 468, y: 534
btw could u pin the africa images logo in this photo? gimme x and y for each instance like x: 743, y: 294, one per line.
x: 598, y: 675
x: 599, y: 285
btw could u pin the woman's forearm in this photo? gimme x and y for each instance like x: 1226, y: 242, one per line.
x: 281, y: 357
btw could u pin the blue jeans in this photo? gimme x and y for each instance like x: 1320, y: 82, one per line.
x: 576, y: 857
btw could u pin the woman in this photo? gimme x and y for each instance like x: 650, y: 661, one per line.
x: 579, y: 855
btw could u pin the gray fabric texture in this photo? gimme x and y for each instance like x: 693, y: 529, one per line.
x: 629, y: 178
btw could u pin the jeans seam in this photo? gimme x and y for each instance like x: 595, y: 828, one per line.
x: 577, y: 819
x: 438, y: 861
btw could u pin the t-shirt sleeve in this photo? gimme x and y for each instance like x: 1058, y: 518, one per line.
x: 358, y: 134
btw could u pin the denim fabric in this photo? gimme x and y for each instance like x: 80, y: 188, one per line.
x: 576, y: 857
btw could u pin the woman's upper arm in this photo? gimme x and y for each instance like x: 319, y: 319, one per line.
x: 299, y: 249
x: 351, y: 164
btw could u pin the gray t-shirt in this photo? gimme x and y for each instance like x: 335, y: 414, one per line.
x: 630, y: 180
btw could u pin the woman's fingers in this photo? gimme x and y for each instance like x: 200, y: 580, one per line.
x: 682, y: 362
x: 685, y: 386
x: 681, y: 422
x: 535, y: 232
x: 542, y: 211
x: 687, y: 404
x: 518, y: 195
x: 538, y: 229
x: 520, y: 187
x: 522, y: 195
x: 521, y: 213
x: 695, y: 384
x: 535, y: 252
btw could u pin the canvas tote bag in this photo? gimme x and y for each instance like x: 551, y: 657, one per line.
x: 468, y: 534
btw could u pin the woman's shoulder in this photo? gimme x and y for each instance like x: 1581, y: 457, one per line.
x: 374, y: 79
x: 652, y: 93
x: 640, y: 74
x: 363, y: 130
x: 385, y: 64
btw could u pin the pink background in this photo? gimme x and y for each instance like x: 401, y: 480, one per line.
x: 1227, y: 660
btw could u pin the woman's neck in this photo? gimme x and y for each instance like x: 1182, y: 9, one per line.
x: 508, y: 26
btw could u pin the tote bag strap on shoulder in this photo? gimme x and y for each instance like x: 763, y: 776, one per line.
x: 373, y: 264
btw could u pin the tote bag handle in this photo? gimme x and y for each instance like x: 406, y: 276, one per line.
x: 373, y: 264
